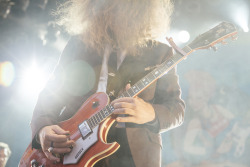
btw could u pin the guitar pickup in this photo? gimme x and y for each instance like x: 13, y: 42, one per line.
x: 85, y: 130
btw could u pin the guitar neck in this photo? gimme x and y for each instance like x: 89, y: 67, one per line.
x: 154, y: 75
x: 141, y: 85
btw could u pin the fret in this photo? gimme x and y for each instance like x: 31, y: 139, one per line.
x: 167, y: 64
x: 98, y: 119
x: 156, y: 73
x: 160, y: 68
x: 125, y: 94
x: 135, y: 88
x: 177, y: 57
x: 187, y: 49
x: 106, y: 112
x: 140, y: 84
x: 150, y: 77
x: 145, y: 81
x: 92, y: 122
x: 89, y: 123
x: 100, y: 116
x: 163, y: 68
x: 170, y: 62
x: 107, y: 109
x: 131, y: 92
x: 95, y: 120
x: 110, y: 109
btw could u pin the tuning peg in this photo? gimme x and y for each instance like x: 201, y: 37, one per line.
x: 214, y: 48
x: 234, y: 38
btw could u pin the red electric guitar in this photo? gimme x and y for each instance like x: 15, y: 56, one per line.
x: 90, y: 125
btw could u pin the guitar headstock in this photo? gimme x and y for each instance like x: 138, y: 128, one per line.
x: 214, y: 36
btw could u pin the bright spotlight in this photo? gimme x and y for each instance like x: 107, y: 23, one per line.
x: 183, y: 36
x: 7, y: 73
x: 245, y: 29
x: 241, y: 15
x: 33, y: 80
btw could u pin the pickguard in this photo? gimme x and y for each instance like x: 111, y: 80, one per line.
x: 82, y: 145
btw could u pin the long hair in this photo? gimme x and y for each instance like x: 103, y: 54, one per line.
x: 122, y: 24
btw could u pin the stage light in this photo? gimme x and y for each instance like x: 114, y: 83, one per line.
x: 33, y: 80
x: 246, y: 29
x: 7, y: 73
x: 183, y: 36
x: 241, y: 16
x: 179, y: 37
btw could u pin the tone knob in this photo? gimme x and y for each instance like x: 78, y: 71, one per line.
x: 34, y: 163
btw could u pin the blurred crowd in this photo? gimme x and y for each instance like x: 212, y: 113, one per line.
x: 216, y: 131
x: 5, y: 153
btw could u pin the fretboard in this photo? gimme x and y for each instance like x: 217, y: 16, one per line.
x: 139, y: 86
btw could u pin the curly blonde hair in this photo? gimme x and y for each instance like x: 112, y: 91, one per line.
x: 123, y: 24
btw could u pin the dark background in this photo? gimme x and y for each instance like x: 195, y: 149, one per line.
x: 28, y: 33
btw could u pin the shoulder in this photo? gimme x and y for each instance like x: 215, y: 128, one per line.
x: 73, y: 44
x: 76, y: 49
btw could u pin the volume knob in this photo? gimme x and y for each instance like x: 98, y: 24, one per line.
x: 34, y: 163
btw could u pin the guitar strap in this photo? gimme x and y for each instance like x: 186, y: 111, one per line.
x: 103, y: 79
x: 175, y: 47
x: 116, y: 82
x: 115, y: 78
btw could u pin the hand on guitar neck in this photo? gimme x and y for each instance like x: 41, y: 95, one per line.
x: 136, y: 109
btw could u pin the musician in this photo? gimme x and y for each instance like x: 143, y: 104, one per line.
x: 4, y: 154
x: 113, y: 45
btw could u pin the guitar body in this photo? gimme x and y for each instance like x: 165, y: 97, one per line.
x: 88, y: 150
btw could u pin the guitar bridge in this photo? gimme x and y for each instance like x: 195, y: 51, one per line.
x: 85, y: 129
